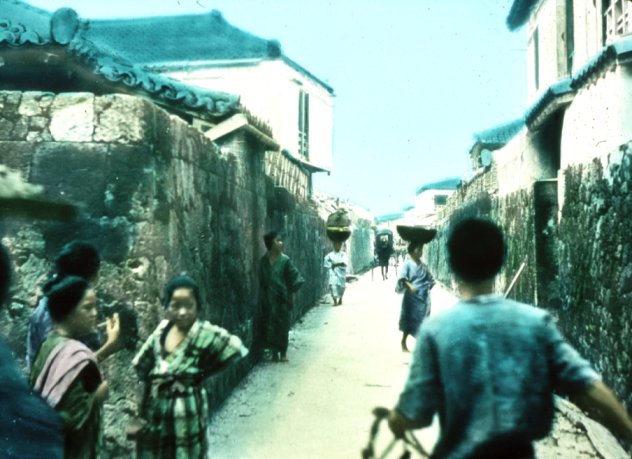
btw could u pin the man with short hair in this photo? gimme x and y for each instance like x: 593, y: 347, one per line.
x: 489, y: 366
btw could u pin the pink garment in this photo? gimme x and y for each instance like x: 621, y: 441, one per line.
x: 61, y: 368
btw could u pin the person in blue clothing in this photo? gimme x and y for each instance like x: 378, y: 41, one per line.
x: 29, y: 428
x: 415, y: 282
x: 489, y: 366
x: 77, y: 258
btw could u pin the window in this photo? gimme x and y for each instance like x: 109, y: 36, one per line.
x: 303, y: 124
x: 536, y: 59
x: 617, y: 18
x: 570, y: 37
x: 441, y: 199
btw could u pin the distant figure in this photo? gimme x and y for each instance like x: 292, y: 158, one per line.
x: 65, y: 371
x: 172, y: 365
x: 489, y: 366
x: 383, y: 250
x: 29, y: 428
x: 415, y: 282
x: 336, y: 265
x: 278, y: 280
x: 77, y: 258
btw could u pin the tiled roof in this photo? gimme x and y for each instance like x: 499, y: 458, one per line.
x: 499, y: 136
x: 619, y: 51
x: 24, y: 26
x: 520, y: 12
x: 167, y: 39
x: 561, y: 91
x: 185, y: 41
x: 446, y: 184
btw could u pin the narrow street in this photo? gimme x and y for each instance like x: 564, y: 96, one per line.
x: 344, y: 361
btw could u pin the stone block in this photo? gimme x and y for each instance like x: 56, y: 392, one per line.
x: 73, y: 171
x: 121, y: 119
x: 72, y: 117
x: 35, y: 103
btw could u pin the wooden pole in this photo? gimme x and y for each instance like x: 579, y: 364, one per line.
x: 515, y: 278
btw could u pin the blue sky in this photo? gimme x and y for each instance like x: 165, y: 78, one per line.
x: 414, y: 79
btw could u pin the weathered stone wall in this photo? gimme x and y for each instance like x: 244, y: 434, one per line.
x: 580, y: 269
x: 157, y: 198
x: 285, y: 173
x: 595, y: 263
x: 514, y: 213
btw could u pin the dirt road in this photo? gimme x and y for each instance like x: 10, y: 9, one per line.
x: 344, y: 361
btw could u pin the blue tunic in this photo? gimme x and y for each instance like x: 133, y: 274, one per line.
x: 414, y: 305
x: 489, y: 367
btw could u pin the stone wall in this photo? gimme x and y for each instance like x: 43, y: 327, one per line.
x: 578, y: 263
x: 157, y: 198
x: 287, y: 174
x: 595, y: 263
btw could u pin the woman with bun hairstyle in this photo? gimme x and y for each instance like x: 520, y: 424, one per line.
x: 65, y: 371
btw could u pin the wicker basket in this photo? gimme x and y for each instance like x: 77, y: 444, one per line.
x: 421, y: 234
x: 338, y: 233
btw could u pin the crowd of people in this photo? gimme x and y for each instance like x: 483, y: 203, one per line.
x: 488, y: 367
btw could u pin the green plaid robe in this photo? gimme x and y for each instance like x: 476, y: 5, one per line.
x: 277, y: 282
x: 175, y: 403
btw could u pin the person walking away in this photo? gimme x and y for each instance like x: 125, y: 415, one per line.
x: 415, y: 282
x: 29, y: 428
x: 172, y: 365
x: 383, y: 252
x: 489, y: 366
x: 65, y: 371
x: 77, y: 258
x: 336, y: 265
x: 278, y: 281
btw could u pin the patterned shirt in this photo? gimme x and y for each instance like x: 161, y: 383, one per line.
x: 175, y: 404
x: 489, y: 367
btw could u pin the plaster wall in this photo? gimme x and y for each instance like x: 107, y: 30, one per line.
x: 270, y: 90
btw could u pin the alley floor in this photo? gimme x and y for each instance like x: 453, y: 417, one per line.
x: 343, y: 362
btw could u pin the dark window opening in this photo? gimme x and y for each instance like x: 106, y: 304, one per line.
x: 303, y: 124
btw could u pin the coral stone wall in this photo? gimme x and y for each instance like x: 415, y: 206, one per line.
x: 157, y: 198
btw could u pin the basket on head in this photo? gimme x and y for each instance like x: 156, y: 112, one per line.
x: 338, y: 234
x: 338, y: 226
x: 416, y: 233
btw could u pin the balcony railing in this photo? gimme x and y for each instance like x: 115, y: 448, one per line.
x: 618, y: 19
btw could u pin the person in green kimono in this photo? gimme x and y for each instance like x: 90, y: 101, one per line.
x: 278, y: 280
x: 65, y: 371
x: 172, y: 365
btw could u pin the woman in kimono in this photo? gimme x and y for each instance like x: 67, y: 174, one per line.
x: 278, y: 280
x: 173, y: 363
x: 415, y: 282
x: 336, y: 265
x: 65, y: 371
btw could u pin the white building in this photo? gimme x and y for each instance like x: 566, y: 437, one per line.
x: 206, y: 51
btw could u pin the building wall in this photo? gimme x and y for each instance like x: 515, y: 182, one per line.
x: 157, y: 198
x: 270, y: 90
x: 425, y: 208
x: 549, y: 27
x: 598, y: 121
x: 524, y: 153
